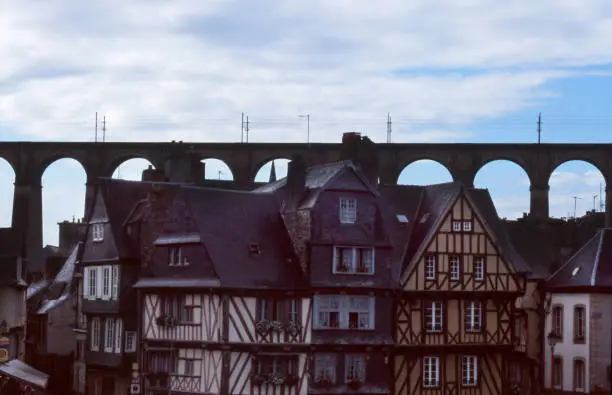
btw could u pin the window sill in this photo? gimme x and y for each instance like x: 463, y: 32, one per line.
x: 345, y: 329
x: 580, y: 340
x: 353, y: 273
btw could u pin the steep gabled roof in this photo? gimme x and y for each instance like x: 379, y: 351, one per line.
x: 589, y: 266
x: 60, y: 289
x: 230, y: 224
x: 436, y: 203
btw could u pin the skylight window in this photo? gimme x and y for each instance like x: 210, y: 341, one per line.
x: 575, y: 271
x: 424, y: 218
x: 402, y: 218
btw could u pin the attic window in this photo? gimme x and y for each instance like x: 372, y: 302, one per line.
x: 97, y: 231
x: 424, y: 218
x: 402, y: 218
x: 575, y: 271
x: 254, y: 249
x: 176, y: 257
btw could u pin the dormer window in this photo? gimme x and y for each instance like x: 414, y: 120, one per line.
x: 97, y: 232
x: 348, y: 210
x: 176, y: 257
x: 467, y: 226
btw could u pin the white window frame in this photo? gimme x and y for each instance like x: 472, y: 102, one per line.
x: 348, y: 210
x: 106, y: 282
x: 109, y: 334
x: 176, y: 256
x: 344, y: 305
x: 355, y: 363
x: 473, y: 316
x: 434, y: 316
x: 118, y: 333
x: 91, y: 282
x: 97, y: 232
x: 114, y: 282
x: 469, y: 371
x: 456, y: 226
x: 95, y: 334
x: 467, y: 225
x: 353, y: 263
x: 454, y: 267
x: 325, y: 366
x: 431, y: 372
x: 479, y: 268
x: 130, y: 341
x: 431, y: 267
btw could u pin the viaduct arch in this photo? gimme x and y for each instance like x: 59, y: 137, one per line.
x: 30, y: 159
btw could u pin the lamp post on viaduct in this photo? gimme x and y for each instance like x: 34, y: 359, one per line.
x: 30, y: 159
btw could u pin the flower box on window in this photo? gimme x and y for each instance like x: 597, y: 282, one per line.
x: 293, y: 327
x: 165, y: 321
x: 354, y: 382
x: 263, y: 327
x: 277, y: 326
x: 323, y: 381
x: 342, y: 267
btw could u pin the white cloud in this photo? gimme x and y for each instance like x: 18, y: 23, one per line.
x: 185, y: 70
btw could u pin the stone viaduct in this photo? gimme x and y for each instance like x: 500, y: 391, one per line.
x: 30, y: 159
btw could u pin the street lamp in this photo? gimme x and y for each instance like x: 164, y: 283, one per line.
x: 307, y: 116
x: 553, y: 339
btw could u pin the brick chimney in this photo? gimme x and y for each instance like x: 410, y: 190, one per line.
x: 153, y: 175
x: 362, y: 152
x: 70, y: 233
x: 296, y: 178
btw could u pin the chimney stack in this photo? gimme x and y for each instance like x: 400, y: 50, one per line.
x: 153, y: 175
x: 184, y: 167
x: 362, y: 152
x: 296, y: 178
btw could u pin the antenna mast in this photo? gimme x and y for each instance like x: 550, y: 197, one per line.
x: 104, y: 129
x: 388, y: 128
x: 96, y: 129
x: 247, y: 129
x: 539, y: 127
x: 242, y: 129
x: 575, y: 200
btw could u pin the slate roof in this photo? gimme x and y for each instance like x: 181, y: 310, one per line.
x: 434, y: 204
x: 589, y: 266
x: 228, y: 222
x: 60, y: 289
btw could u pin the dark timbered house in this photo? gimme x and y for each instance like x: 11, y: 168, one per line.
x: 455, y: 314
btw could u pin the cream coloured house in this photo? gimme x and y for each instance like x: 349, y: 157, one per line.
x: 579, y: 318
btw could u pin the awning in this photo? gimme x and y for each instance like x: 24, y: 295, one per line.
x: 24, y: 372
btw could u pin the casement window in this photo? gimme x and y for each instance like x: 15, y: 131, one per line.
x: 344, y: 312
x: 114, y: 282
x: 479, y: 268
x: 355, y: 366
x: 456, y: 226
x: 431, y: 267
x: 579, y: 375
x: 271, y: 309
x: 90, y: 282
x: 325, y: 368
x: 97, y: 232
x: 174, y: 306
x: 269, y: 364
x: 454, y: 267
x: 95, y: 334
x: 434, y: 316
x: 189, y: 367
x: 118, y: 333
x: 109, y: 334
x: 162, y: 362
x: 176, y: 257
x: 557, y: 372
x: 467, y: 226
x: 130, y: 341
x: 106, y: 282
x: 473, y: 316
x: 348, y: 210
x: 557, y: 321
x: 469, y: 371
x: 353, y: 260
x: 431, y: 372
x: 579, y: 324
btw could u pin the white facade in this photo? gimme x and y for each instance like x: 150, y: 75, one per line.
x: 566, y: 347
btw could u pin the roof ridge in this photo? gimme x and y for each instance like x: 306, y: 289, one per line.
x: 597, y: 255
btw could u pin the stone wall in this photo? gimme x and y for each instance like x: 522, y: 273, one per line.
x: 600, y: 340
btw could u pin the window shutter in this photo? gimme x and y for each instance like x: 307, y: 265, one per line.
x: 99, y: 281
x: 85, y: 283
x: 114, y: 282
x: 118, y: 333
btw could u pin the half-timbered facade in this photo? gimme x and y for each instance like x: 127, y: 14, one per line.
x: 333, y: 216
x: 455, y: 316
x: 223, y: 300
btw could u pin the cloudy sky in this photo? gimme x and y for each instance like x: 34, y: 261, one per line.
x: 446, y: 71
